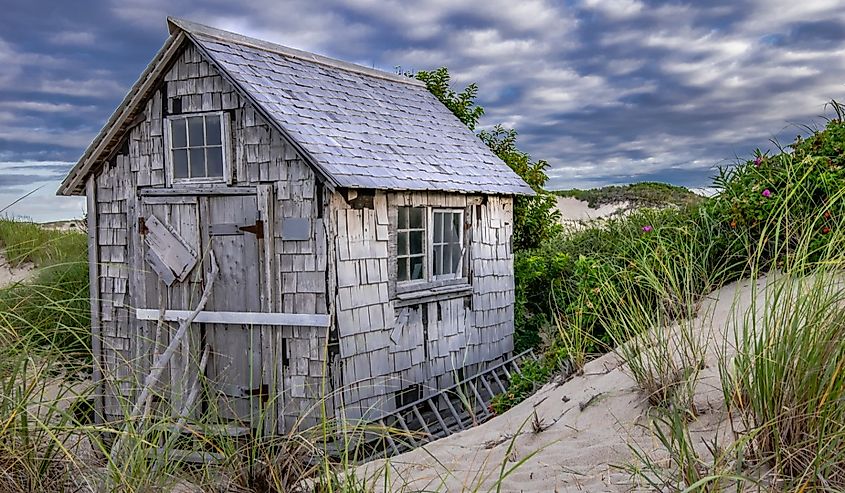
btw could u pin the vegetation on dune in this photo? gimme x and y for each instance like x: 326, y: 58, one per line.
x: 638, y: 283
x: 635, y: 284
x: 643, y: 194
x: 51, y: 311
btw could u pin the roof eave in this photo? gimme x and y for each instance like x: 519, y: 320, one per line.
x: 74, y: 182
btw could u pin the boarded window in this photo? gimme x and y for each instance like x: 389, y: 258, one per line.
x: 447, y: 243
x: 197, y: 149
x: 410, y: 244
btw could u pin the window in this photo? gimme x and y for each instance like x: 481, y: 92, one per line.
x: 429, y: 244
x: 410, y: 244
x: 197, y: 152
x: 447, y: 244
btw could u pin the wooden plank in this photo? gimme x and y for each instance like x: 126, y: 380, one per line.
x: 170, y: 248
x: 195, y: 190
x: 265, y: 200
x: 170, y: 199
x: 94, y: 287
x: 159, y: 267
x: 245, y: 318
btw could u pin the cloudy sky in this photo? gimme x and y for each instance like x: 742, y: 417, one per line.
x: 607, y: 91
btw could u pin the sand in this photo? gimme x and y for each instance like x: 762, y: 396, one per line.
x: 577, y: 214
x: 590, y: 422
x: 10, y: 275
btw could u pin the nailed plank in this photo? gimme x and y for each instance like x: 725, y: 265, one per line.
x: 159, y: 267
x: 247, y: 318
x: 170, y: 248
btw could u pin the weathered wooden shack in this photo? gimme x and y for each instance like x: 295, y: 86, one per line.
x: 362, y: 234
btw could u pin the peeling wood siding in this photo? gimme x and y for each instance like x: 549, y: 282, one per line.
x: 375, y: 348
x: 493, y: 293
x: 261, y: 157
x: 386, y: 348
x: 117, y: 331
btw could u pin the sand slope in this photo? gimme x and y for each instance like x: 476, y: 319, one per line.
x: 590, y: 423
x: 576, y: 214
x: 10, y: 275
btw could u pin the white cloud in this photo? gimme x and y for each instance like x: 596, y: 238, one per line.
x: 94, y: 88
x: 45, y: 106
x: 72, y: 139
x: 77, y: 38
x: 615, y: 9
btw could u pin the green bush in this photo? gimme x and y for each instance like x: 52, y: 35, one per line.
x: 801, y: 189
x: 564, y: 277
x: 532, y: 375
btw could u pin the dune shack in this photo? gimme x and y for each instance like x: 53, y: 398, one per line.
x: 330, y: 231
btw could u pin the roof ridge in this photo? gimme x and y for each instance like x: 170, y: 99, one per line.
x: 192, y: 28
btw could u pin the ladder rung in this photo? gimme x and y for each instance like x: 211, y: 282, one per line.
x: 422, y: 421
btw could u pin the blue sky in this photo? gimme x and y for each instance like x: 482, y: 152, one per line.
x: 607, y: 91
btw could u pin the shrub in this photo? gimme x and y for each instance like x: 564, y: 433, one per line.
x: 565, y: 277
x: 801, y: 189
x: 533, y: 375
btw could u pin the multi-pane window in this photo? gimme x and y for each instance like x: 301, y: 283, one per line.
x: 410, y: 244
x: 447, y: 244
x: 429, y: 244
x: 196, y: 147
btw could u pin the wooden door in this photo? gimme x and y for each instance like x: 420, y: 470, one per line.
x: 165, y: 224
x: 234, y: 368
x: 195, y: 226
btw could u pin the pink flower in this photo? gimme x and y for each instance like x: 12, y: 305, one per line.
x: 758, y: 161
x: 767, y: 193
x: 647, y: 229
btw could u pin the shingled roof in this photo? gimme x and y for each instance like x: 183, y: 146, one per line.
x: 361, y: 128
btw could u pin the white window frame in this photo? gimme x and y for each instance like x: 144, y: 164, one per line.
x: 459, y: 272
x: 225, y: 144
x: 426, y: 243
x: 428, y: 259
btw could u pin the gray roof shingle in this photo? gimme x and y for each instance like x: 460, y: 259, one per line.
x: 363, y: 128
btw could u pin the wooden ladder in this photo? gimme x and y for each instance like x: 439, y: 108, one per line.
x: 450, y: 410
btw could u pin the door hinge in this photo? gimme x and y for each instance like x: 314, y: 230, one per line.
x: 257, y: 229
x: 142, y: 226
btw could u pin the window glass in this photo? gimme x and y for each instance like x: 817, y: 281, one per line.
x: 214, y: 160
x: 196, y: 132
x: 410, y: 244
x: 417, y: 215
x: 197, y: 146
x: 212, y: 130
x: 417, y: 267
x: 180, y: 163
x: 179, y: 135
x: 196, y: 157
x: 413, y: 253
x: 447, y: 245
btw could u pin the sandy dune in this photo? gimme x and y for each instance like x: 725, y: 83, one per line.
x: 578, y: 214
x: 10, y: 275
x: 590, y: 423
